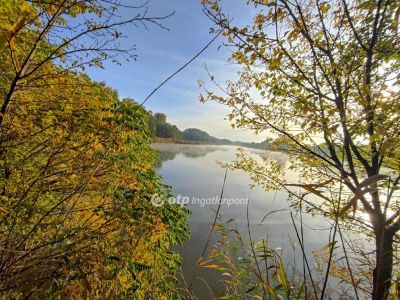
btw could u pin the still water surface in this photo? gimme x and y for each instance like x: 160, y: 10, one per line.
x: 192, y: 172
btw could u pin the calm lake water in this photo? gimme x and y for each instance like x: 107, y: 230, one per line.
x: 192, y: 172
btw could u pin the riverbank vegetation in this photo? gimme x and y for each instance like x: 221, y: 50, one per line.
x: 77, y: 170
x: 165, y: 132
x: 78, y: 175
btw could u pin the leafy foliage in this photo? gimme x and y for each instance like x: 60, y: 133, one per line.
x: 77, y: 170
x: 251, y: 271
x: 161, y: 128
x: 323, y: 78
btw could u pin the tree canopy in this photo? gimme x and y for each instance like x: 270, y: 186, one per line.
x: 77, y: 170
x: 323, y: 77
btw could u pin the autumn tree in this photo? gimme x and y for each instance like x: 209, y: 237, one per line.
x: 74, y: 34
x: 323, y: 78
x: 77, y: 169
x: 76, y: 211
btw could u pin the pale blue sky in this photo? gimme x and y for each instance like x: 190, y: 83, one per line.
x: 162, y: 52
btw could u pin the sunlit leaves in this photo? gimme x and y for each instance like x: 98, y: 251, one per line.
x: 75, y: 213
x: 322, y: 79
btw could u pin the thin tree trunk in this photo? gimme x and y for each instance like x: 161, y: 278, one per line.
x: 7, y: 99
x: 384, y: 264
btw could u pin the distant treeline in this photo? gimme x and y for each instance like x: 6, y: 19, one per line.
x: 162, y: 129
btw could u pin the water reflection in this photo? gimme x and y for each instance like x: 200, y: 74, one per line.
x: 192, y: 171
x: 170, y: 151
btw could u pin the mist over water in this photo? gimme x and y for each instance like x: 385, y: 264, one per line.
x: 193, y: 172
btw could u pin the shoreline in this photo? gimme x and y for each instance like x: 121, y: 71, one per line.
x: 158, y: 140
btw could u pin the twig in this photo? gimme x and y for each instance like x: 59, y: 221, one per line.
x: 348, y: 264
x: 332, y: 246
x: 304, y: 256
x: 180, y: 69
x: 252, y: 248
x: 302, y: 240
x: 266, y: 266
x: 196, y: 268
